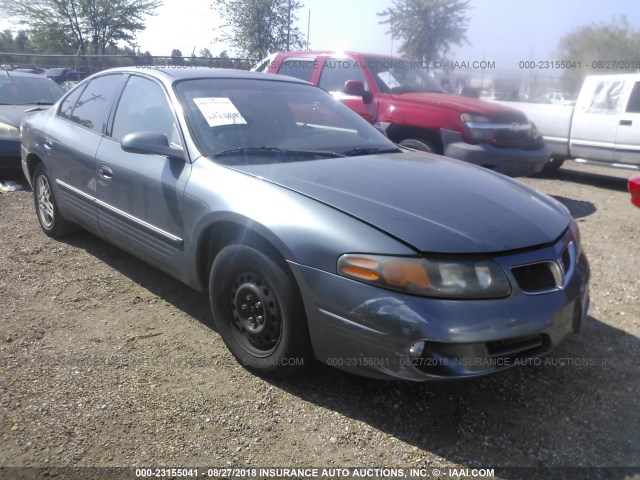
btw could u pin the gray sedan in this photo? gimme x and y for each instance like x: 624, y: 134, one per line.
x: 314, y: 235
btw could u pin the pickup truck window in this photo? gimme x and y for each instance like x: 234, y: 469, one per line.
x: 298, y: 68
x: 401, y: 76
x: 634, y: 99
x: 607, y: 97
x: 337, y: 71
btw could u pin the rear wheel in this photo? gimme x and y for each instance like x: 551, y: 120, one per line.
x: 51, y: 220
x: 419, y: 144
x: 258, y: 311
x: 553, y: 165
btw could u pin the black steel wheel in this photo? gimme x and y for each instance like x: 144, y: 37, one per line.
x: 258, y: 311
x: 419, y: 144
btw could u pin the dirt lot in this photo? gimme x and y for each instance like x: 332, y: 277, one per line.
x: 105, y: 361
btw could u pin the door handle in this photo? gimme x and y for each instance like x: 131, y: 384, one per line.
x: 105, y: 172
x: 626, y: 122
x: 48, y: 144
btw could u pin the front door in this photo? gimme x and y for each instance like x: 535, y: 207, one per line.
x: 139, y: 196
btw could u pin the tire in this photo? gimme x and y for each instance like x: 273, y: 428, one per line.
x: 258, y: 311
x: 51, y: 220
x: 553, y: 165
x: 419, y: 144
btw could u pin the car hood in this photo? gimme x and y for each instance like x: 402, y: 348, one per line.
x: 432, y: 203
x: 464, y: 105
x: 13, y: 114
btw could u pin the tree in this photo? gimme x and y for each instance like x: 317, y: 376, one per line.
x: 260, y: 27
x: 593, y: 43
x: 176, y: 57
x: 52, y: 19
x: 205, y: 53
x: 427, y: 28
x: 112, y: 21
x: 75, y: 24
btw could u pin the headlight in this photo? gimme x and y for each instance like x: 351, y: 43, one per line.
x: 575, y: 233
x: 9, y: 131
x: 440, y: 278
x: 480, y: 126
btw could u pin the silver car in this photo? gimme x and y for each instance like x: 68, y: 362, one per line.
x: 314, y: 235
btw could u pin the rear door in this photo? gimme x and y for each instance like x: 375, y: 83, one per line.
x: 627, y: 148
x: 596, y: 117
x: 72, y: 140
x: 139, y: 196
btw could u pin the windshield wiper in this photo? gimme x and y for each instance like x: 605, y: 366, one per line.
x: 370, y: 151
x: 43, y: 102
x: 278, y: 151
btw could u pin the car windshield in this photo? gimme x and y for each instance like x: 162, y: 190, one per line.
x: 394, y: 75
x: 54, y: 71
x: 267, y: 121
x: 18, y: 90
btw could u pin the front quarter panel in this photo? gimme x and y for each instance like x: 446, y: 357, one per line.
x: 32, y: 132
x: 303, y: 230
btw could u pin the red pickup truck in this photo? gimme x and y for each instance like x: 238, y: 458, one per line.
x: 398, y: 96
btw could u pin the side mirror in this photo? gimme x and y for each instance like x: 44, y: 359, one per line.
x: 356, y: 88
x: 150, y: 143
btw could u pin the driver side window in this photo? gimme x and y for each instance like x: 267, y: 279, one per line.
x: 144, y: 107
x: 337, y: 71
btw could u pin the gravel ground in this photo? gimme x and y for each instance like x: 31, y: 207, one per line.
x: 104, y: 361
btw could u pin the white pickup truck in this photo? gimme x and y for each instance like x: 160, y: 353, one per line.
x: 602, y: 128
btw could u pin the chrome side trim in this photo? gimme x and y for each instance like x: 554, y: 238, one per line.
x: 172, y: 238
x: 624, y: 166
x: 589, y: 143
x: 562, y: 140
x: 75, y: 190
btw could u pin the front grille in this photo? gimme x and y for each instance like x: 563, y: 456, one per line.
x: 470, y: 359
x: 536, y: 277
x: 508, y: 136
x: 524, y: 347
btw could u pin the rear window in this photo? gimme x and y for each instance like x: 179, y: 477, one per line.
x: 18, y: 90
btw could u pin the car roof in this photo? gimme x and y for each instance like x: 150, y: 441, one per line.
x: 307, y: 53
x: 171, y: 74
x: 13, y: 73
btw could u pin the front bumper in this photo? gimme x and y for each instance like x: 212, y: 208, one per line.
x: 509, y: 161
x: 369, y: 331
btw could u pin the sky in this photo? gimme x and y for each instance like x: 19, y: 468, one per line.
x: 504, y: 31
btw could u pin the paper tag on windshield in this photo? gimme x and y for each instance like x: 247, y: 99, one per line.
x: 219, y: 111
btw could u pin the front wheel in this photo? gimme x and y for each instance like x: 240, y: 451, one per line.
x: 419, y: 144
x: 51, y: 220
x: 553, y: 165
x: 258, y: 312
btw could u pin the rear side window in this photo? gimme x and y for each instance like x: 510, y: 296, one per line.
x: 298, y: 68
x: 634, y: 100
x: 66, y: 107
x: 92, y: 109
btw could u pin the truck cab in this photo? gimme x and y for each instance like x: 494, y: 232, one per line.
x: 399, y: 97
